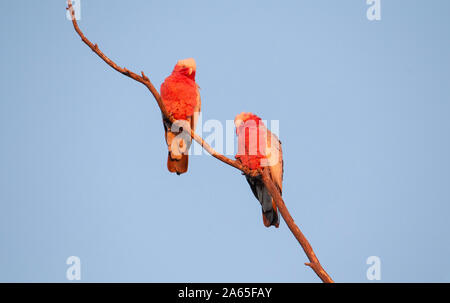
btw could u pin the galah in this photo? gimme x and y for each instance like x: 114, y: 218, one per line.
x: 258, y: 148
x: 181, y: 97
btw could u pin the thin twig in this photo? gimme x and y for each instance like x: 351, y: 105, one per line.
x: 314, y: 262
x: 94, y: 47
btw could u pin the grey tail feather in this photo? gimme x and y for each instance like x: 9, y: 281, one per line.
x: 272, y: 217
x: 262, y: 194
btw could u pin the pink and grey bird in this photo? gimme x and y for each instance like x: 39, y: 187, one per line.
x: 258, y: 148
x: 181, y: 97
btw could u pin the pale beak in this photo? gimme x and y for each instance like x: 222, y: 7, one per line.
x: 190, y: 71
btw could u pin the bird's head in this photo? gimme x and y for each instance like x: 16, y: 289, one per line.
x: 186, y: 67
x: 242, y: 118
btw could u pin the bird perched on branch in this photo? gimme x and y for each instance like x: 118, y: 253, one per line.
x: 258, y: 148
x: 181, y: 97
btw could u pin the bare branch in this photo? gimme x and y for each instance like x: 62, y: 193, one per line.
x: 146, y: 81
x: 315, y: 264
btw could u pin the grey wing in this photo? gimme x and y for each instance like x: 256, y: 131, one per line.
x: 197, y: 110
x: 261, y: 193
x: 276, y: 161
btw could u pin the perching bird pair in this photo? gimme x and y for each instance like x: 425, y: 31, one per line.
x: 258, y: 148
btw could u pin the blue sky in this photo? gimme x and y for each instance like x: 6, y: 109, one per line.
x: 364, y: 120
